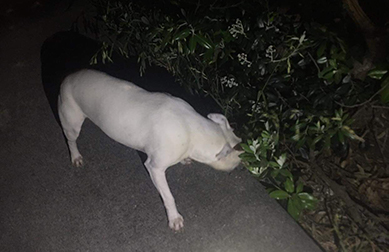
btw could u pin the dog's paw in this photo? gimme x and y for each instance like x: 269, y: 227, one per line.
x: 177, y: 223
x: 186, y: 161
x: 78, y: 162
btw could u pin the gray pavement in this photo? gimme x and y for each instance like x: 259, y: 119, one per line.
x: 111, y: 203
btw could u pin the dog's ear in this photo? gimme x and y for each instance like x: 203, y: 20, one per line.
x: 224, y: 152
x: 222, y: 121
x: 219, y: 119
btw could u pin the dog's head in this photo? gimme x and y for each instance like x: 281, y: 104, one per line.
x: 228, y: 158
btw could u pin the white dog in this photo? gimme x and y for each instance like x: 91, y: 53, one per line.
x: 166, y: 128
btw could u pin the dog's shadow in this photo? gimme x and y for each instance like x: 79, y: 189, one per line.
x: 67, y: 52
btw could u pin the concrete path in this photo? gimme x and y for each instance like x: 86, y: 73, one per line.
x: 111, y: 203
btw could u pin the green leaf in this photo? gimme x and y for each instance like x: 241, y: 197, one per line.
x: 183, y: 12
x: 264, y: 162
x: 248, y: 157
x: 192, y: 44
x: 279, y: 194
x: 300, y: 125
x: 349, y: 122
x: 333, y: 50
x: 227, y: 36
x: 385, y: 92
x: 299, y: 187
x: 181, y: 35
x: 281, y: 160
x: 293, y: 209
x: 297, y: 202
x: 348, y: 132
x: 274, y: 164
x: 208, y: 56
x: 346, y: 79
x: 286, y: 173
x: 265, y: 134
x: 145, y: 20
x: 316, y: 140
x: 246, y: 148
x: 207, y: 44
x: 322, y: 60
x: 300, y: 143
x: 327, y: 142
x: 321, y: 49
x: 332, y: 63
x: 296, y: 137
x: 325, y: 71
x: 329, y: 75
x: 377, y: 73
x: 179, y: 45
x: 289, y: 185
x: 165, y: 39
x: 275, y: 173
x: 307, y: 200
x: 306, y: 196
x: 337, y: 77
x: 276, y: 139
x: 308, y: 205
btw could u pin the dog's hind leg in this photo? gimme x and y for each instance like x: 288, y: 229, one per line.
x: 71, y: 118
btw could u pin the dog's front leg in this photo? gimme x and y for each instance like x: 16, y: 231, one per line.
x: 176, y: 222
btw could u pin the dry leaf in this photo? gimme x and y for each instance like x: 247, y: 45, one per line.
x: 376, y: 193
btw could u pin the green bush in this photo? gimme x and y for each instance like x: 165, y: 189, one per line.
x: 284, y: 81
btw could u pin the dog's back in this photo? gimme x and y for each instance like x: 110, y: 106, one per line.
x: 126, y: 112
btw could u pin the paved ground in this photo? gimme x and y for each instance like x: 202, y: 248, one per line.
x: 110, y: 204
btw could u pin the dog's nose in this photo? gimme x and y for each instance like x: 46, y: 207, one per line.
x: 238, y: 147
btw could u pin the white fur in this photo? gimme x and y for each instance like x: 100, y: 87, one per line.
x: 166, y: 128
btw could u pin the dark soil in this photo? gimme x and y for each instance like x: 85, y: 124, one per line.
x: 353, y: 214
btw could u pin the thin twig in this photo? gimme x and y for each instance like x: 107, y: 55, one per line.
x: 340, y: 191
x: 264, y: 86
x: 386, y: 138
x: 380, y: 107
x: 314, y: 62
x: 365, y: 102
x: 282, y: 98
x: 379, y: 147
x: 225, y: 7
